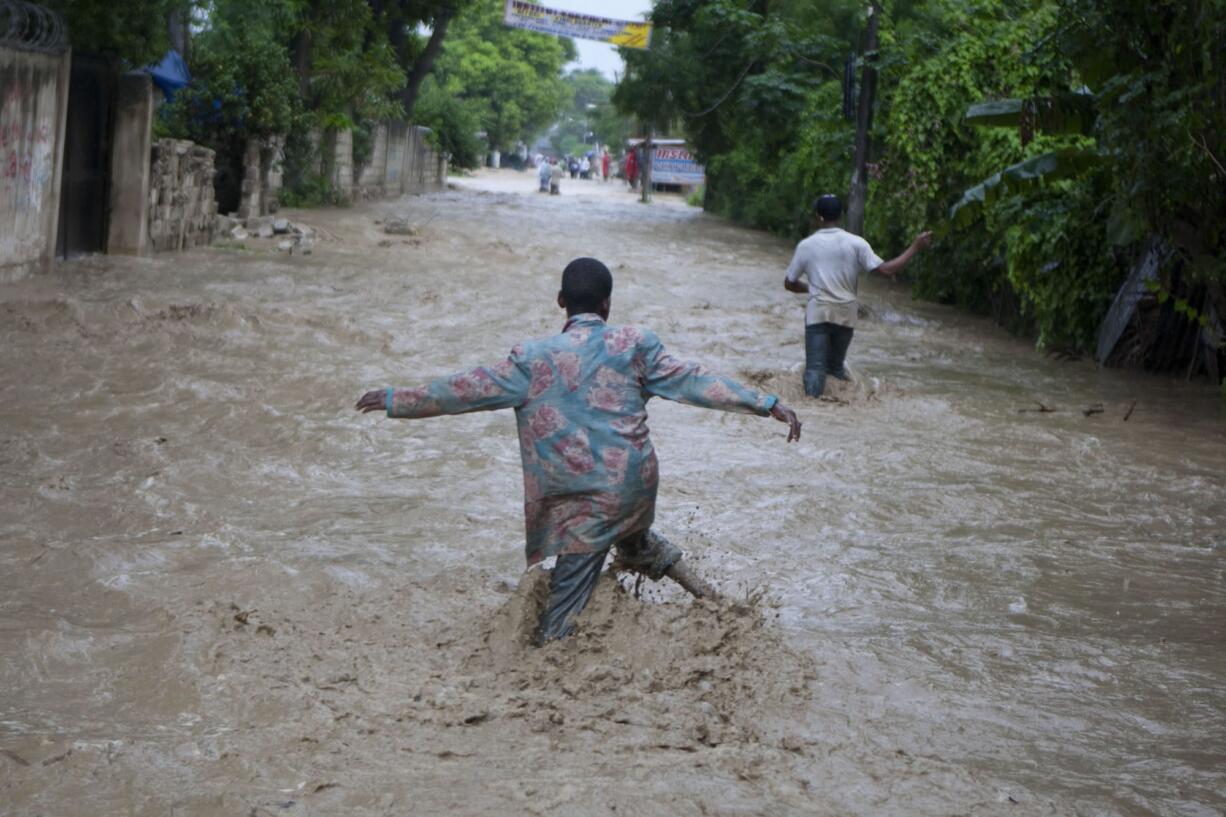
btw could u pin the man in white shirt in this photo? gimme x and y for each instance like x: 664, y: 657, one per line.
x: 543, y: 171
x: 831, y: 260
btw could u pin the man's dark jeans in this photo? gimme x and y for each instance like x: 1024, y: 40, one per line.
x: 825, y: 351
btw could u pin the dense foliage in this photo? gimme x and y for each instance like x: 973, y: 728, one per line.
x: 134, y: 32
x: 285, y: 68
x: 759, y: 89
x: 506, y: 80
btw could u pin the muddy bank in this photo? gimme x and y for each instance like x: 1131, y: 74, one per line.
x: 222, y: 591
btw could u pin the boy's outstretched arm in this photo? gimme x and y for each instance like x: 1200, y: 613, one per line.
x: 689, y: 383
x: 486, y: 388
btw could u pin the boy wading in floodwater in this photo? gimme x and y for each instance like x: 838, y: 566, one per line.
x: 580, y: 400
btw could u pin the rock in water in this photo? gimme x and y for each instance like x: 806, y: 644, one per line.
x: 280, y: 226
x: 398, y: 226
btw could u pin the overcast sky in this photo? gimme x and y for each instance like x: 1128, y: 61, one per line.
x: 598, y: 55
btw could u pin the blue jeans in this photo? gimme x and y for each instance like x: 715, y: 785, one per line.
x: 825, y: 351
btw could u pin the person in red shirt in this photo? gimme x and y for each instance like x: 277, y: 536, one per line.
x: 632, y: 168
x: 604, y: 165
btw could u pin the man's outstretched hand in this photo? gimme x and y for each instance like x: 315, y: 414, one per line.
x: 373, y: 401
x: 785, y: 415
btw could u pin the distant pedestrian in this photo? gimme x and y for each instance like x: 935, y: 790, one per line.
x: 543, y: 172
x: 604, y: 165
x: 585, y: 168
x: 831, y: 261
x: 632, y: 169
x: 555, y: 178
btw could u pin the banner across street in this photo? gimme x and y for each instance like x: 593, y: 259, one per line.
x: 625, y: 33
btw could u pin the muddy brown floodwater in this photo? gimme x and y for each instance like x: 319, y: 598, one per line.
x: 224, y: 592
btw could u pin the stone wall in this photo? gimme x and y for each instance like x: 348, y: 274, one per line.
x: 263, y: 177
x: 182, y: 209
x: 33, y: 108
x: 251, y: 195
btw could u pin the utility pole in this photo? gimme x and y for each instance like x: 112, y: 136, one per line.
x: 648, y: 150
x: 864, y: 124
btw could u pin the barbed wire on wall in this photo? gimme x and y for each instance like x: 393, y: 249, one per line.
x: 30, y: 27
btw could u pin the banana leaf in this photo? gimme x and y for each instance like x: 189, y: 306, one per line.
x: 1060, y: 164
x: 1067, y: 113
x: 997, y: 113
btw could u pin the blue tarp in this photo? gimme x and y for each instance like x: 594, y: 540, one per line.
x: 170, y: 74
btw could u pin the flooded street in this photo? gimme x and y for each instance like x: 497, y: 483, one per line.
x: 225, y: 592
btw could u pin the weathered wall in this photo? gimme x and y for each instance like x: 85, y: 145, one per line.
x: 272, y: 170
x: 131, y: 146
x: 397, y: 140
x: 370, y: 181
x: 33, y: 106
x: 182, y: 209
x: 251, y: 197
x: 424, y: 168
x: 401, y: 161
x: 263, y: 178
x: 342, y: 162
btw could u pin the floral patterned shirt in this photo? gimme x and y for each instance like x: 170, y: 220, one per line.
x: 580, y: 400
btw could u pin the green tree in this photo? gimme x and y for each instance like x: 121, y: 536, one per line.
x: 1041, y: 219
x: 455, y: 123
x: 509, y: 79
x: 1158, y: 71
x: 415, y: 53
x: 755, y: 87
x: 353, y: 72
x: 590, y: 118
x: 136, y: 33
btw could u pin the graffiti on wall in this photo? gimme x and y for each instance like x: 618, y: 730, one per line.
x: 26, y: 159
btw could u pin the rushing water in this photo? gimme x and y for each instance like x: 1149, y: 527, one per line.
x: 222, y: 591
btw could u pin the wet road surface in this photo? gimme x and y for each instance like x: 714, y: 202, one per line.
x: 222, y: 591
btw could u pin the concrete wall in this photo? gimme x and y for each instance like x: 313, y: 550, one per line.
x: 370, y: 180
x: 272, y: 168
x: 397, y: 140
x: 424, y: 168
x: 161, y: 196
x: 342, y: 162
x: 182, y: 209
x: 401, y: 161
x: 131, y: 145
x: 33, y: 108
